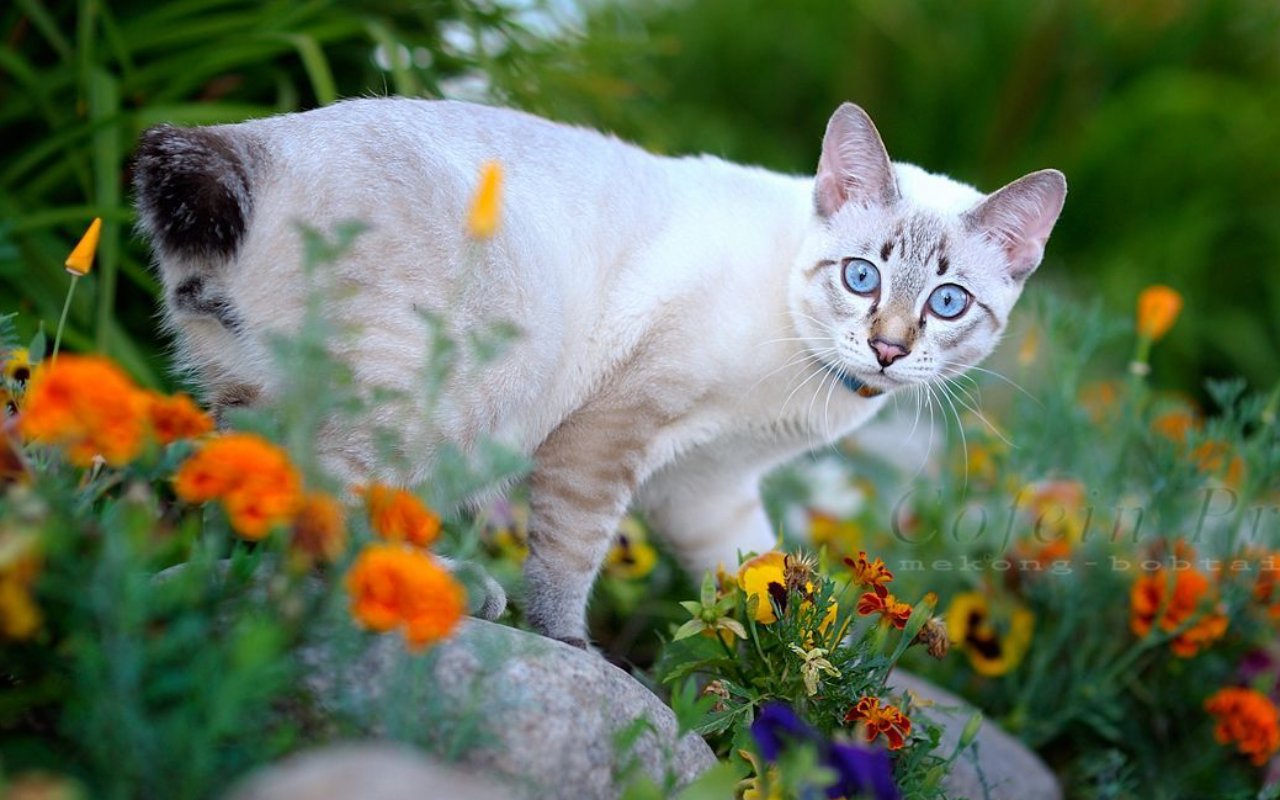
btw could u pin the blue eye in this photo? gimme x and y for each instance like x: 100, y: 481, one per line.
x: 861, y: 276
x: 948, y: 301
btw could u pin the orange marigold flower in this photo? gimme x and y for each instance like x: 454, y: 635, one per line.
x: 1192, y: 602
x: 1249, y: 719
x: 881, y: 720
x: 252, y: 477
x: 87, y: 406
x: 885, y: 604
x: 395, y: 587
x: 872, y: 574
x: 319, y: 529
x: 176, y: 417
x: 1215, y: 458
x: 398, y: 515
x: 1176, y: 425
x: 1158, y: 309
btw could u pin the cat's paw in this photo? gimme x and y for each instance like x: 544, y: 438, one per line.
x: 490, y: 601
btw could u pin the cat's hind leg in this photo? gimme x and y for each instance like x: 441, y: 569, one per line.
x: 583, y: 479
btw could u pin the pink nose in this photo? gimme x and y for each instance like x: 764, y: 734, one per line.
x: 886, y: 351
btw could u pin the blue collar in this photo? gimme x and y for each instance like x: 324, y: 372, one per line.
x: 853, y: 384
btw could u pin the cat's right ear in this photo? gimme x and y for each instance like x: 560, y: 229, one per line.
x: 854, y: 167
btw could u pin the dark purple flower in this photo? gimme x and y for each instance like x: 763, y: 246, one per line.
x: 861, y: 771
x: 776, y: 726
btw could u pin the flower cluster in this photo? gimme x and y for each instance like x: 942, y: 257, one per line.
x: 1179, y: 602
x: 399, y: 585
x: 859, y: 772
x: 396, y: 587
x: 89, y: 408
x: 253, y: 478
x: 875, y: 576
x: 1248, y: 719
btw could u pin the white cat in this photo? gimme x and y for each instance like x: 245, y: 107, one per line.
x: 687, y: 324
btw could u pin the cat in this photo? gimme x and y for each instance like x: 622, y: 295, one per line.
x: 686, y: 324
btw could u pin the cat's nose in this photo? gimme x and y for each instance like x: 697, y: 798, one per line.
x: 886, y: 351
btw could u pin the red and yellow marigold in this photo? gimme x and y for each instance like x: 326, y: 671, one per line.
x: 1191, y: 607
x: 880, y: 720
x: 1248, y: 719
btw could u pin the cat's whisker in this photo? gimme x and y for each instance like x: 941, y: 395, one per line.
x: 796, y: 360
x: 821, y: 368
x: 945, y: 391
x: 964, y: 367
x: 990, y: 426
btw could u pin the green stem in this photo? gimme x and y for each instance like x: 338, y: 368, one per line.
x: 62, y: 321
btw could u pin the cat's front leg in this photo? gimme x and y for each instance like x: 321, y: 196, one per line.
x: 584, y: 476
x: 709, y: 514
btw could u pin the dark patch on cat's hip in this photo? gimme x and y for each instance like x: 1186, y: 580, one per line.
x: 193, y: 297
x: 194, y: 190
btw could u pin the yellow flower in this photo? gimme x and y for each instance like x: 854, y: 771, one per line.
x: 994, y: 644
x: 482, y: 222
x: 17, y: 365
x: 763, y: 578
x: 81, y: 259
x: 631, y: 557
x: 1158, y: 309
x: 19, y: 566
x: 835, y: 534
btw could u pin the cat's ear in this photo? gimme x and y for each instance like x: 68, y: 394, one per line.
x: 854, y: 167
x: 1020, y: 218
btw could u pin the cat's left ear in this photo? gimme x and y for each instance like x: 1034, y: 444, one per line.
x: 1020, y: 218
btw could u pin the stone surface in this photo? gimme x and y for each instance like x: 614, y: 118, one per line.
x: 366, y: 770
x: 549, y: 714
x: 1004, y: 768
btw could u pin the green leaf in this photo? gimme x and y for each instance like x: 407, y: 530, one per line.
x: 691, y: 628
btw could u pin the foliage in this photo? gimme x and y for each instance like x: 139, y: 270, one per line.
x: 1104, y: 553
x: 153, y: 610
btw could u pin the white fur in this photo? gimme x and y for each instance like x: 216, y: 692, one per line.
x: 681, y: 278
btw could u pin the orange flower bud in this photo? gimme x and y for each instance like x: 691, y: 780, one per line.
x: 482, y: 222
x: 1158, y: 309
x: 81, y: 259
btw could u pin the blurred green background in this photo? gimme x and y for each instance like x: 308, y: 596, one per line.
x: 1162, y: 113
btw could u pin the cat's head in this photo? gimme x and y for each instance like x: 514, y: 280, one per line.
x: 908, y: 277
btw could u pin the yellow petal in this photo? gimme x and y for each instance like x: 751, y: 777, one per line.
x: 482, y: 222
x: 81, y: 258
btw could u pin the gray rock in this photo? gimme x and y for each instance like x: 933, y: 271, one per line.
x: 548, y: 714
x: 1004, y: 768
x: 367, y: 770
